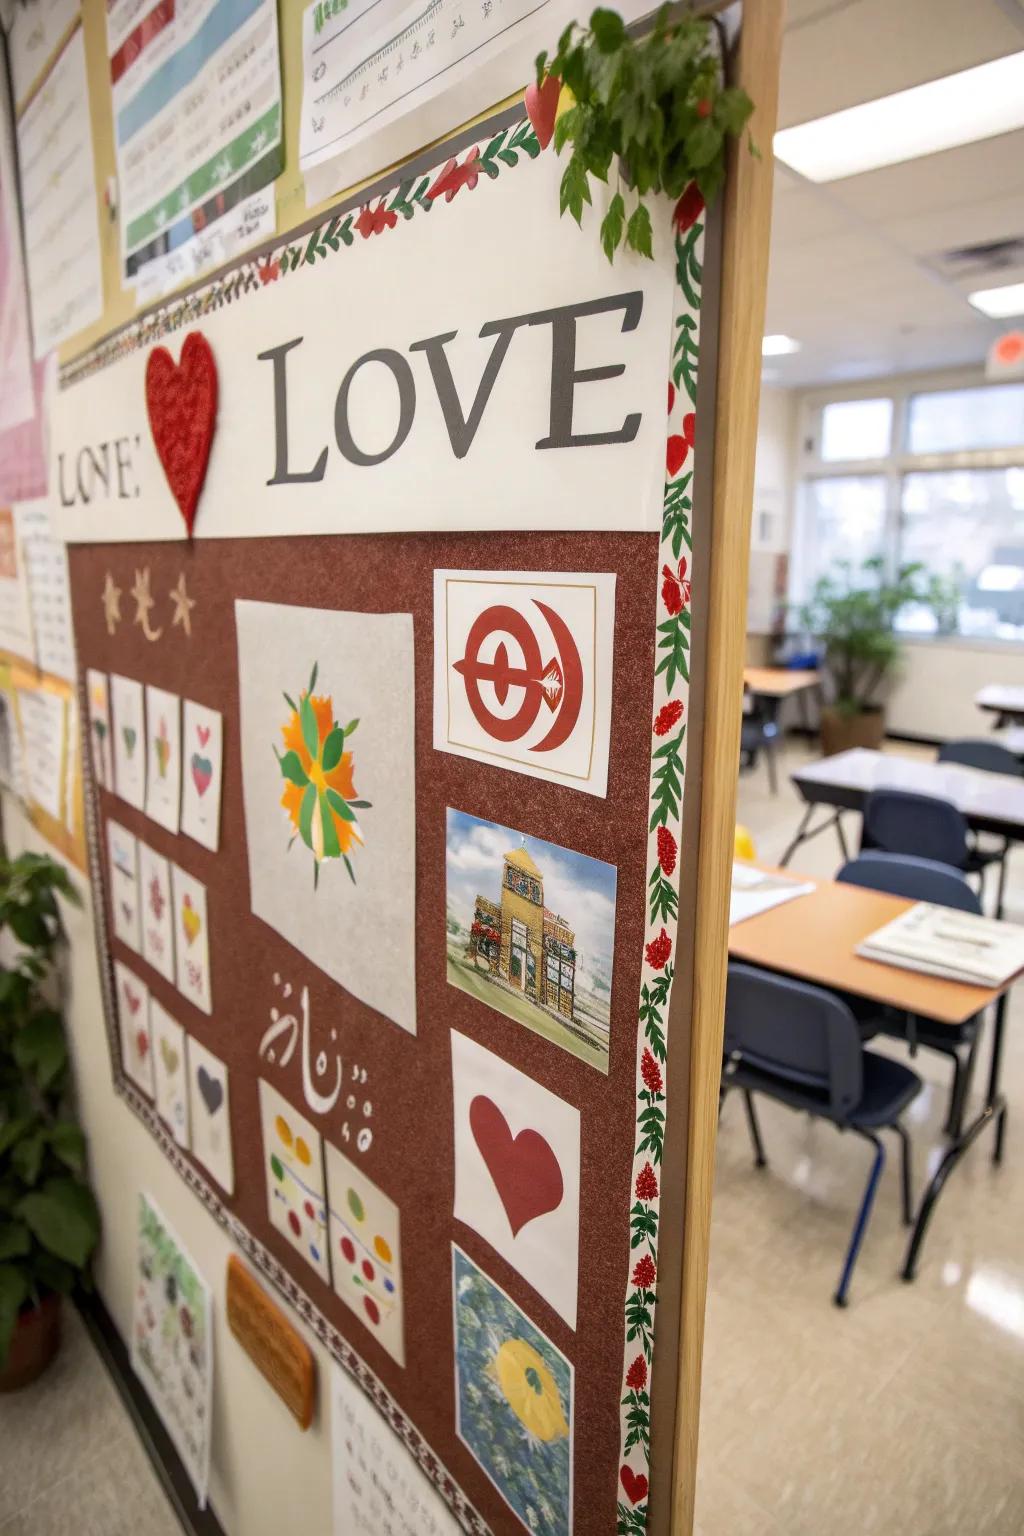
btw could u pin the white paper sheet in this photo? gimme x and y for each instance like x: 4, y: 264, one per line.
x: 15, y: 607
x: 60, y: 203
x: 36, y: 30
x: 43, y: 719
x: 942, y: 942
x: 46, y: 572
x: 756, y: 890
x: 17, y: 398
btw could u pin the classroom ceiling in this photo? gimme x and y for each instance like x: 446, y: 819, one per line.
x: 859, y: 270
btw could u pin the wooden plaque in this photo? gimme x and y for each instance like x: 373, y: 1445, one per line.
x: 265, y: 1333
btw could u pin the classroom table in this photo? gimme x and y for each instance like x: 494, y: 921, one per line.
x: 989, y: 802
x: 1004, y: 701
x: 814, y: 938
x: 768, y: 687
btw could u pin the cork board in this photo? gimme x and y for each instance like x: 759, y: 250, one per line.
x: 576, y: 1378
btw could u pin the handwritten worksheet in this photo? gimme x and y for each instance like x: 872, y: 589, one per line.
x: 45, y: 563
x: 196, y: 89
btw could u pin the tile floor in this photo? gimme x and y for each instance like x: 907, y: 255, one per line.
x: 70, y: 1460
x: 904, y: 1414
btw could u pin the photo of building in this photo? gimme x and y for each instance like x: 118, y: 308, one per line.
x: 511, y: 946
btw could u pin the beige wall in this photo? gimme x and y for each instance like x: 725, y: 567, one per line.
x: 934, y: 692
x: 265, y: 1474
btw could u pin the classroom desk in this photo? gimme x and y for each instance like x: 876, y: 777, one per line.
x: 814, y: 937
x: 1002, y: 700
x: 768, y: 688
x: 1012, y: 738
x: 778, y: 682
x: 989, y: 802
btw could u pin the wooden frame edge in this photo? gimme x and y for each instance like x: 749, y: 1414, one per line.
x: 747, y: 227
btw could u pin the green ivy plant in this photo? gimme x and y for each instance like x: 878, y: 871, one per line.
x: 657, y: 104
x: 49, y: 1224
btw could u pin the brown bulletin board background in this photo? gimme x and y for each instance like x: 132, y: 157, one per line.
x: 411, y: 1158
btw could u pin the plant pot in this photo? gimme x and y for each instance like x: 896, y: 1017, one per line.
x: 34, y: 1343
x: 841, y: 731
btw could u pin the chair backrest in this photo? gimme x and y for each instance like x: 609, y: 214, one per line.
x: 898, y: 821
x: 901, y: 874
x: 992, y: 756
x: 800, y: 1034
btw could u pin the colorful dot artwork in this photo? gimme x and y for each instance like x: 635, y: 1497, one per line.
x: 364, y: 1227
x: 295, y: 1184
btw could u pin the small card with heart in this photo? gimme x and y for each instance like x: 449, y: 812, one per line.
x: 169, y: 1071
x: 133, y: 1019
x: 157, y: 921
x: 202, y: 751
x: 210, y: 1114
x: 517, y: 1170
x: 99, y: 728
x: 163, y: 768
x: 294, y: 1166
x: 129, y: 732
x: 191, y: 939
x: 123, y: 849
x: 366, y: 1252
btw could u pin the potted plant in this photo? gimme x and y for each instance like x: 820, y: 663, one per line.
x: 853, y: 617
x: 49, y: 1224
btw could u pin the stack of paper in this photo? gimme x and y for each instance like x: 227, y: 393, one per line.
x: 757, y: 890
x: 943, y: 942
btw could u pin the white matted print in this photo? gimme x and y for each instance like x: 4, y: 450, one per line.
x: 128, y: 728
x: 172, y: 1356
x: 210, y: 1114
x: 523, y: 672
x: 366, y: 1503
x: 366, y: 1251
x: 133, y: 1021
x: 170, y: 1071
x: 328, y: 773
x: 163, y: 768
x: 517, y: 1171
x: 202, y: 737
x: 191, y: 938
x: 123, y: 850
x: 294, y: 1166
x: 157, y: 920
x: 98, y: 696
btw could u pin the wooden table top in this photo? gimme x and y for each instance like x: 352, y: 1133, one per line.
x: 814, y: 937
x: 1001, y: 697
x: 778, y: 682
x: 848, y: 777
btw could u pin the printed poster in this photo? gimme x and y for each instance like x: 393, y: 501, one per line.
x: 523, y: 672
x: 379, y: 1490
x: 172, y: 1352
x: 196, y: 93
x: 326, y: 705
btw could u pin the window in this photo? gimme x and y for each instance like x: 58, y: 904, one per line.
x: 957, y: 420
x: 856, y: 429
x: 920, y: 498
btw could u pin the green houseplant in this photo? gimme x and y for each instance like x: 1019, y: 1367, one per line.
x: 853, y: 617
x: 49, y: 1224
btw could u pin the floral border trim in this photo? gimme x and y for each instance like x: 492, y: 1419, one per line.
x: 413, y: 196
x: 664, y: 836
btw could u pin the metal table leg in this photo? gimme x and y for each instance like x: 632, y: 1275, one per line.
x: 804, y: 836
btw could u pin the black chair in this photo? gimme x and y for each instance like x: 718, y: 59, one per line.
x: 990, y: 757
x: 759, y: 732
x: 927, y: 827
x: 943, y: 886
x: 799, y: 1045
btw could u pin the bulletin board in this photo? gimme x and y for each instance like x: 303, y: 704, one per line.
x: 399, y: 1013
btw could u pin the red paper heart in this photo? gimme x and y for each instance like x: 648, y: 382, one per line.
x: 524, y: 1168
x: 541, y: 103
x: 181, y: 400
x: 142, y: 1043
x: 203, y: 732
x: 634, y: 1484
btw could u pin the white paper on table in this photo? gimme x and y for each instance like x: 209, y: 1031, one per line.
x: 379, y: 1490
x: 60, y: 202
x: 197, y: 116
x: 46, y: 573
x: 940, y: 941
x: 756, y: 890
x: 43, y: 720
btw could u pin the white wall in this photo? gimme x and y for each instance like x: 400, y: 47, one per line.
x: 770, y: 528
x: 933, y: 693
x: 266, y: 1475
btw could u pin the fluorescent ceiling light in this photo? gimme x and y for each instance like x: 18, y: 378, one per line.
x: 999, y: 302
x: 958, y: 109
x: 778, y: 346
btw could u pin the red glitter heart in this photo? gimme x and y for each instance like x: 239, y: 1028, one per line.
x: 181, y: 400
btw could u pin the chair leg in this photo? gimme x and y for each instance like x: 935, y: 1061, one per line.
x: 905, y: 1173
x: 1001, y: 887
x: 755, y: 1130
x: 863, y: 1216
x: 958, y: 1103
x: 956, y: 1096
x: 773, y: 772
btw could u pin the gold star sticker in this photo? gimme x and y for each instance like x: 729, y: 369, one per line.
x: 144, y: 601
x: 111, y: 604
x: 183, y: 605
